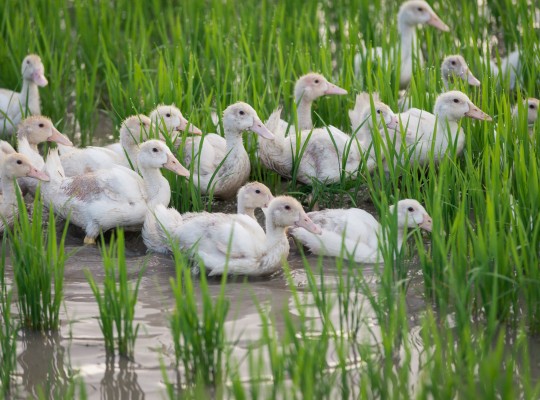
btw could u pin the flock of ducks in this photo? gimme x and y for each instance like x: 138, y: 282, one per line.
x: 121, y: 185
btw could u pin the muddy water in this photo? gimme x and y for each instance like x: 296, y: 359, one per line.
x: 78, y: 347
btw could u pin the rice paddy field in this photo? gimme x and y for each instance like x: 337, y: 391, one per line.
x: 455, y: 314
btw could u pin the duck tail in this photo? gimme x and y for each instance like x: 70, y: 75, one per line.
x: 53, y: 166
x: 158, y: 227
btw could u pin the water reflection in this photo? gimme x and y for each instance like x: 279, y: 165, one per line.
x: 45, y: 364
x: 120, y: 380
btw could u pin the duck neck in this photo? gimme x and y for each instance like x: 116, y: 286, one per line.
x: 29, y: 98
x: 277, y: 249
x: 303, y: 111
x: 408, y: 40
x: 234, y: 140
x: 242, y: 209
x: 157, y: 187
x: 131, y: 149
x: 9, y: 195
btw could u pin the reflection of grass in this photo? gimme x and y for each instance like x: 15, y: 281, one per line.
x: 38, y: 264
x: 8, y: 330
x: 117, y: 300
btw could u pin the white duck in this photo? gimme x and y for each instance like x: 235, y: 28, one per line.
x: 356, y: 235
x: 236, y: 243
x: 411, y: 14
x: 13, y: 166
x: 509, y: 68
x: 114, y: 197
x: 251, y: 196
x: 221, y: 165
x: 169, y: 119
x: 30, y: 133
x: 15, y: 106
x: 322, y: 150
x: 134, y: 129
x: 362, y: 124
x: 440, y: 130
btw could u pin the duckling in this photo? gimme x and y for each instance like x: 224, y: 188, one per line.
x: 236, y: 244
x: 12, y: 166
x: 411, y: 14
x: 113, y: 197
x: 251, y: 196
x: 356, y: 235
x: 221, y: 165
x: 15, y: 106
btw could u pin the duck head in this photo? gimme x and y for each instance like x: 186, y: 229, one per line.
x: 240, y: 117
x: 37, y: 129
x: 456, y: 65
x: 455, y: 105
x: 411, y: 214
x: 417, y: 12
x: 156, y: 154
x: 172, y: 119
x: 312, y: 86
x: 33, y: 70
x: 285, y: 211
x: 17, y: 165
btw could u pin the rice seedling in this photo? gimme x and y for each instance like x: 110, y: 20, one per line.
x: 198, y: 334
x: 38, y: 260
x: 117, y: 299
x: 8, y: 329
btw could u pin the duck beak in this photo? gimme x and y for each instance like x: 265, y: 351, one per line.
x: 174, y: 165
x: 427, y: 223
x: 306, y: 223
x: 436, y: 22
x: 39, y: 78
x: 59, y: 138
x: 333, y: 89
x: 393, y: 124
x: 34, y: 173
x: 261, y: 130
x: 186, y: 126
x: 469, y: 77
x: 270, y: 198
x: 476, y: 113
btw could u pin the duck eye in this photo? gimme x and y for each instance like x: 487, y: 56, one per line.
x: 241, y: 112
x: 456, y: 101
x: 378, y: 111
x: 19, y: 162
x: 168, y: 115
x: 410, y: 209
x: 420, y: 9
x: 257, y: 191
x: 532, y: 106
x: 453, y: 63
x: 317, y: 81
x: 287, y: 207
x: 41, y: 125
x: 28, y: 61
x: 155, y: 150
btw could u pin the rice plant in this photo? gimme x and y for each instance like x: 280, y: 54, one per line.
x: 198, y: 332
x: 117, y: 299
x: 8, y: 329
x: 38, y: 260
